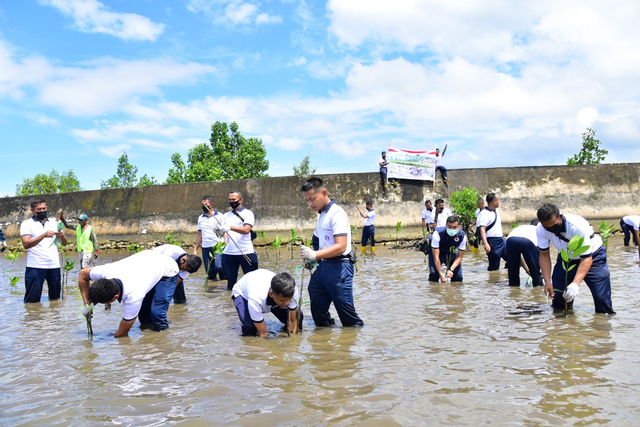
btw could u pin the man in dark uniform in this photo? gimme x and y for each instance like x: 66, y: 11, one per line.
x: 447, y: 247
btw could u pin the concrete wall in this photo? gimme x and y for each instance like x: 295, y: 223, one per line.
x: 149, y: 213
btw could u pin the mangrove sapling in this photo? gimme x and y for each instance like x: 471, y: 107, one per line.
x: 276, y: 245
x: 13, y: 257
x: 450, y: 258
x: 171, y: 240
x: 215, y: 251
x: 605, y: 231
x: 134, y: 247
x: 68, y: 266
x: 398, y: 228
x: 262, y: 234
x: 294, y: 238
x: 14, y: 281
x: 574, y: 249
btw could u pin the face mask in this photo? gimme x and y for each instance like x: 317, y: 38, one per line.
x: 41, y: 215
x: 557, y: 228
x: 451, y: 232
x: 440, y: 209
x: 234, y: 205
x: 205, y: 209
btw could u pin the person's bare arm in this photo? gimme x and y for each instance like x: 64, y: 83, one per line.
x: 262, y: 329
x: 424, y: 226
x: 84, y: 280
x: 583, y: 269
x: 29, y: 242
x: 124, y: 328
x: 361, y: 214
x: 545, y: 268
x: 198, y: 242
x: 455, y: 263
x: 293, y: 320
x: 337, y: 249
x: 245, y: 229
x: 483, y: 236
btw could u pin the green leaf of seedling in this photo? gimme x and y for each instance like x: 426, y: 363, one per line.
x: 575, y: 242
x: 14, y: 280
x: 571, y: 267
x: 580, y: 250
x: 564, y: 255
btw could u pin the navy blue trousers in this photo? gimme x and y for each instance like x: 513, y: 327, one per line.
x: 34, y: 280
x: 443, y: 171
x: 628, y: 233
x: 333, y: 282
x: 231, y: 264
x: 368, y: 232
x: 216, y: 267
x: 433, y: 268
x: 248, y: 327
x: 597, y: 279
x: 498, y: 246
x: 521, y: 246
x: 179, y: 296
x: 156, y: 303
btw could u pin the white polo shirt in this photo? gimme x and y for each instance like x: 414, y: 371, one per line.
x: 435, y: 240
x: 254, y: 287
x: 438, y: 160
x: 242, y: 240
x: 485, y: 219
x: 383, y: 160
x: 429, y: 215
x: 209, y: 226
x: 139, y: 273
x: 175, y: 252
x: 575, y: 224
x: 44, y: 254
x: 632, y: 220
x: 478, y: 211
x: 333, y: 222
x: 442, y: 217
x: 371, y: 216
x: 529, y: 232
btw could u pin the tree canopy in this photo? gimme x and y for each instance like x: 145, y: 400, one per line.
x: 591, y: 153
x: 229, y: 155
x: 464, y: 203
x: 49, y: 184
x: 304, y: 169
x: 126, y: 176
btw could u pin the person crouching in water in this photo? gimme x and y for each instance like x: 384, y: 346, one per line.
x: 447, y: 247
x: 262, y: 291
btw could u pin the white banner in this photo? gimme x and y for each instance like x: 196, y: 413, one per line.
x: 411, y: 164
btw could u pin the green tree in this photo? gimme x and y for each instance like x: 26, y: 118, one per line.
x: 125, y: 176
x: 229, y: 155
x: 304, y: 169
x: 591, y: 153
x: 49, y: 184
x: 464, y: 205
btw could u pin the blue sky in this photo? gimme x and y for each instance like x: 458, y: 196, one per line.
x: 502, y: 83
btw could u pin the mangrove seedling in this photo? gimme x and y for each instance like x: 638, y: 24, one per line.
x: 134, y: 247
x: 13, y: 255
x: 216, y: 250
x: 605, y: 232
x: 262, y: 234
x: 171, y: 240
x: 575, y: 248
x: 276, y: 245
x: 398, y: 228
x: 294, y: 238
x: 14, y: 281
x: 515, y: 225
x: 68, y: 266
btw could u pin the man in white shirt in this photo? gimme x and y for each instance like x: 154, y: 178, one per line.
x: 440, y: 167
x: 630, y: 226
x: 38, y: 235
x: 522, y: 250
x: 441, y: 215
x: 490, y: 226
x: 332, y: 281
x: 144, y: 282
x: 590, y: 266
x: 369, y: 229
x: 209, y: 234
x: 428, y: 217
x: 262, y: 291
x: 383, y: 170
x: 239, y: 251
x: 447, y: 247
x: 186, y: 263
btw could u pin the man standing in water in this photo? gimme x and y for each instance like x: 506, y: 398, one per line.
x: 209, y: 234
x: 87, y: 240
x: 38, y: 235
x: 490, y: 227
x: 441, y: 215
x: 591, y: 266
x: 369, y: 229
x: 239, y: 250
x: 630, y: 226
x: 333, y: 279
x: 522, y: 250
x: 144, y: 282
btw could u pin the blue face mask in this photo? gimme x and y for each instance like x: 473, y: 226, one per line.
x: 451, y: 232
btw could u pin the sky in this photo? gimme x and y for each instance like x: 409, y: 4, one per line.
x: 502, y: 83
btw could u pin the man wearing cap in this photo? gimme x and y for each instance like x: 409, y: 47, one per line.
x: 87, y: 240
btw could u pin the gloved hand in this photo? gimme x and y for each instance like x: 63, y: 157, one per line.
x: 224, y: 228
x: 307, y: 253
x: 571, y: 292
x: 87, y: 310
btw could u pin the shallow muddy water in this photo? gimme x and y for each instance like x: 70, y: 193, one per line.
x: 476, y: 353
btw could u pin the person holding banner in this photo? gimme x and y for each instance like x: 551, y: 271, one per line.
x: 439, y: 166
x: 383, y: 170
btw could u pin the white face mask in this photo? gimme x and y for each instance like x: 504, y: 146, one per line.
x: 451, y: 232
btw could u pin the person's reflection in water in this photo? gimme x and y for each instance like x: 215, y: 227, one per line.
x: 574, y: 355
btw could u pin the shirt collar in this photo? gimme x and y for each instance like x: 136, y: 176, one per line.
x: 36, y: 219
x: 215, y: 212
x: 327, y: 207
x: 121, y: 289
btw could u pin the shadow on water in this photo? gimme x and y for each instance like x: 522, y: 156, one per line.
x: 470, y: 353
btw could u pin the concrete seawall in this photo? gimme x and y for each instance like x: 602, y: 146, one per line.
x: 144, y: 214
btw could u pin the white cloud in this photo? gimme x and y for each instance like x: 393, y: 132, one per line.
x: 92, y: 16
x: 114, y: 151
x: 43, y: 119
x: 265, y: 18
x: 233, y: 12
